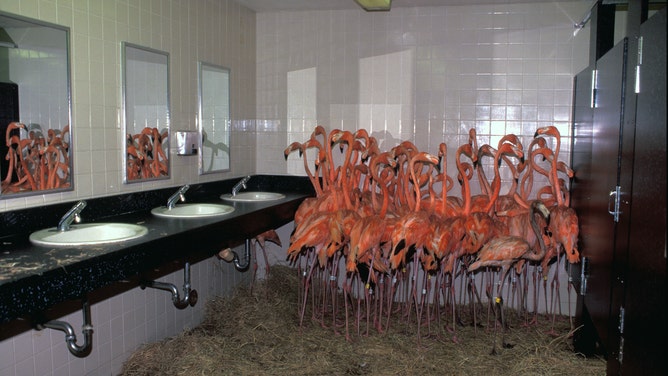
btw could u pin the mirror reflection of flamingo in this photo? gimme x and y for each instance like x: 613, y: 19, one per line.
x: 36, y: 162
x: 216, y: 150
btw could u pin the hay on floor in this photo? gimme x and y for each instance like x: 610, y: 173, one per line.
x: 259, y: 334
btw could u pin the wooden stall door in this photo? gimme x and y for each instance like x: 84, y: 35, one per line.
x: 644, y: 348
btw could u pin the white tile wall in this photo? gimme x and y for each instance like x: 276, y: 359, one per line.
x: 424, y: 74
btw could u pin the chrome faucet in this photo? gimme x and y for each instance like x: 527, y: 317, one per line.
x: 72, y: 215
x: 241, y: 184
x: 179, y: 195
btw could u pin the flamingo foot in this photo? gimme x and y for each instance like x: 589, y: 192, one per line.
x: 534, y: 321
x: 552, y: 333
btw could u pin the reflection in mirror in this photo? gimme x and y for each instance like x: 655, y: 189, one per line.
x: 34, y: 107
x: 146, y: 110
x: 214, y: 118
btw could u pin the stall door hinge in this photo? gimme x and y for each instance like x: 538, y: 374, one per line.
x: 614, y: 200
x: 620, y: 354
x: 594, y: 86
x: 638, y: 65
x: 584, y: 275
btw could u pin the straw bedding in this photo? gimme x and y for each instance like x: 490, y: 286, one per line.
x: 259, y: 334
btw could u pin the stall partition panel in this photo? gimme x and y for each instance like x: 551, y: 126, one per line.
x: 644, y: 350
x: 601, y: 177
x: 585, y: 339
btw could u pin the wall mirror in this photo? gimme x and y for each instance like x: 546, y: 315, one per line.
x: 214, y: 118
x: 146, y: 113
x: 35, y: 113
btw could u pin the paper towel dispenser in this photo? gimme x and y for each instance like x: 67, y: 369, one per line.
x: 186, y: 142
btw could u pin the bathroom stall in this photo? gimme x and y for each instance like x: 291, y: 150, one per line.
x: 619, y: 151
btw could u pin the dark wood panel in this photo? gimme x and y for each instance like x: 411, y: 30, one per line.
x: 645, y: 298
x: 585, y: 341
x: 597, y: 225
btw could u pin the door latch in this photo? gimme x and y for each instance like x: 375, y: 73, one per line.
x: 614, y: 200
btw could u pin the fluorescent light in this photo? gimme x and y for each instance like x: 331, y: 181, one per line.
x: 375, y: 5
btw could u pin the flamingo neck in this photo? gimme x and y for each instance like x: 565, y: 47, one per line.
x: 539, y: 235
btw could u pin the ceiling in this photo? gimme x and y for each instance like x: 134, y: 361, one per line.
x: 279, y: 5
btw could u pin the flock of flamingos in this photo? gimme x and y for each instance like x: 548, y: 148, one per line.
x: 146, y: 157
x: 36, y: 162
x: 39, y: 163
x: 408, y: 245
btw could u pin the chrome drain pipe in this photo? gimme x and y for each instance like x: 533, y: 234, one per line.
x: 71, y: 337
x: 189, y: 295
x: 229, y: 255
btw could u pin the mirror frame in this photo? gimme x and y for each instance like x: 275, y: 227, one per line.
x: 145, y: 172
x: 67, y: 157
x: 214, y: 147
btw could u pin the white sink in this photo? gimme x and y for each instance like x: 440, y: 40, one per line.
x: 202, y: 210
x: 88, y: 234
x: 251, y: 196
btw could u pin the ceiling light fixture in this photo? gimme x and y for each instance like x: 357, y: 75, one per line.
x: 6, y: 40
x: 375, y: 5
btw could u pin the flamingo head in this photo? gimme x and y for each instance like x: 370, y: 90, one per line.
x: 473, y: 140
x: 570, y: 245
x: 442, y: 150
x: 363, y: 134
x: 292, y: 147
x: 510, y: 149
x: 319, y: 130
x: 338, y: 136
x: 466, y: 150
x: 512, y: 139
x: 550, y: 130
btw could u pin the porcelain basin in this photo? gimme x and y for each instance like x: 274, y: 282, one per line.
x: 194, y: 211
x: 251, y: 196
x: 88, y: 234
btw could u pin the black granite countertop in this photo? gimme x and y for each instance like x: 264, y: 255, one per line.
x: 34, y: 278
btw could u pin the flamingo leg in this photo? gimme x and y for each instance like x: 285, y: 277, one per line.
x: 254, y: 273
x: 307, y: 280
x: 570, y: 285
x: 554, y: 286
x: 333, y: 286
